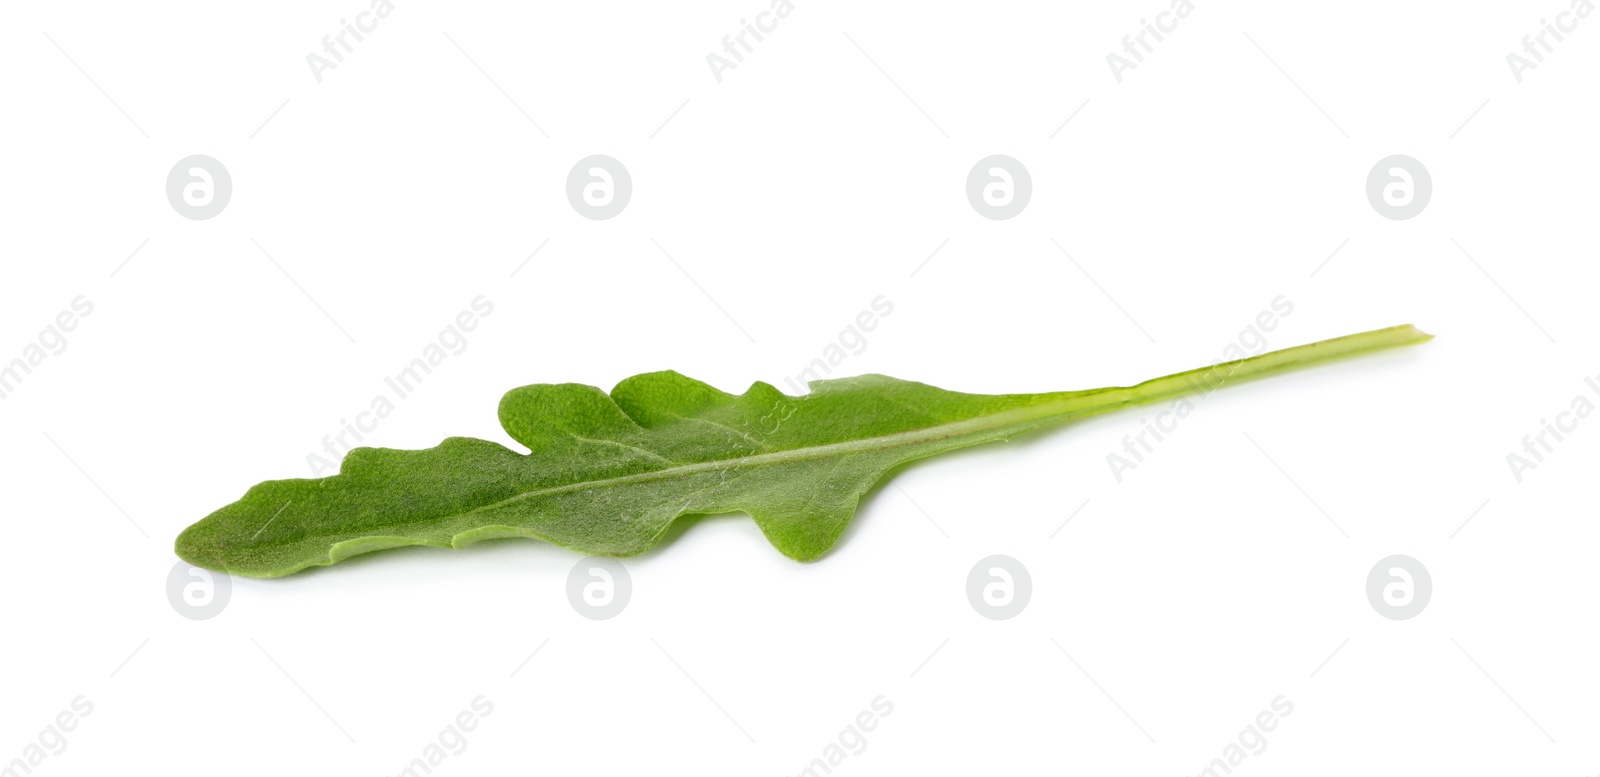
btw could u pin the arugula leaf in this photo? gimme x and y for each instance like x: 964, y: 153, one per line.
x: 607, y: 475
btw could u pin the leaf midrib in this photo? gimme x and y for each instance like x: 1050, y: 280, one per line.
x: 984, y: 423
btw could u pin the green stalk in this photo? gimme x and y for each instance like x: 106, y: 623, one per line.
x: 1204, y: 380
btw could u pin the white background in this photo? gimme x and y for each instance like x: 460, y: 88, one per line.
x: 1165, y: 615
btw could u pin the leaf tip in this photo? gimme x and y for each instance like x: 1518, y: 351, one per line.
x: 192, y: 547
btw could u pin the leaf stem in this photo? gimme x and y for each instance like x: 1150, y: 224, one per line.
x: 1205, y: 380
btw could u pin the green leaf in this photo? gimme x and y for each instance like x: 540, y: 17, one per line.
x: 607, y: 475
